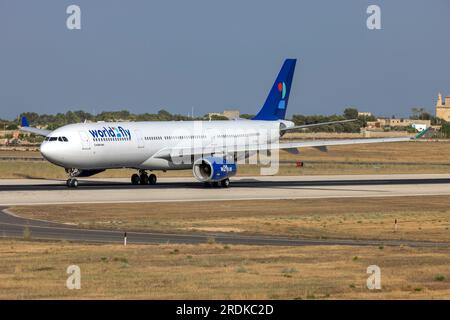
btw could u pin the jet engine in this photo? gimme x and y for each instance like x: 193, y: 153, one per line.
x: 213, y: 169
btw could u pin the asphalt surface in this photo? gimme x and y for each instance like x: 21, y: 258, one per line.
x: 242, y: 183
x: 19, y: 192
x: 12, y: 226
x: 46, y: 192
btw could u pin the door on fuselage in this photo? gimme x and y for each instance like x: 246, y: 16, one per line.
x: 85, y: 142
x: 139, y: 139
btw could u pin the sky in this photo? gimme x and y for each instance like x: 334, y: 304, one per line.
x: 144, y: 56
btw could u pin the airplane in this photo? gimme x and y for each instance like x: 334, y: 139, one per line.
x: 211, y: 149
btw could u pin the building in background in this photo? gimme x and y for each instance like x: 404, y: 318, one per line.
x: 443, y: 108
x: 388, y: 123
x: 230, y: 114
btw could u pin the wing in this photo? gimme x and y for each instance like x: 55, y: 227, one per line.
x: 175, y: 152
x: 26, y: 127
x: 305, y: 126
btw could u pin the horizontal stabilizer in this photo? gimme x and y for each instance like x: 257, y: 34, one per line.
x: 25, y: 126
x: 322, y: 148
x: 305, y: 126
x: 292, y: 151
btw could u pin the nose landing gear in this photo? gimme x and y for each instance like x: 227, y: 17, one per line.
x: 143, y: 178
x: 72, y: 183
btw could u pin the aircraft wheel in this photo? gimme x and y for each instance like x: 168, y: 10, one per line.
x: 144, y: 179
x: 152, y: 179
x: 72, y: 183
x: 135, y: 179
x: 215, y: 184
x: 225, y: 183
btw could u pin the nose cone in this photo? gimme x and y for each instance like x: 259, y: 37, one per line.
x: 50, y: 152
x: 45, y: 150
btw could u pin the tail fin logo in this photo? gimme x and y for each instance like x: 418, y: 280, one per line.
x: 282, y: 90
x: 276, y: 103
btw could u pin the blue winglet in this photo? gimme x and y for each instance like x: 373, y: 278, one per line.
x: 277, y: 101
x: 422, y: 133
x: 25, y: 122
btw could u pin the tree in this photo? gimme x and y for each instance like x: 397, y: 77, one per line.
x: 351, y: 113
x: 84, y: 115
x: 420, y: 114
x: 217, y: 117
x: 164, y: 115
x: 71, y: 117
x: 445, y: 130
x: 416, y: 112
x: 12, y: 126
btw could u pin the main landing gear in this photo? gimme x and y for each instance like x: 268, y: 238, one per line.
x: 143, y: 178
x: 225, y: 183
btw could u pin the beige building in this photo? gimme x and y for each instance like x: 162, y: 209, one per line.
x: 443, y: 108
x: 374, y: 125
x: 230, y: 114
x: 382, y: 123
x: 405, y: 122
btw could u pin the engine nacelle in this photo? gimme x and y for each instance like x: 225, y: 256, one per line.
x: 213, y: 169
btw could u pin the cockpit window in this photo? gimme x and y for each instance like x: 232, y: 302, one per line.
x: 62, y: 139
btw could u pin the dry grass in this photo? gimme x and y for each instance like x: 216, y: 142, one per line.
x: 22, y: 152
x: 33, y: 270
x: 45, y: 170
x: 419, y: 218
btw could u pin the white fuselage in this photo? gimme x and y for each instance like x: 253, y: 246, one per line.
x: 105, y: 145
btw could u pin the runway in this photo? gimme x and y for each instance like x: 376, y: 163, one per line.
x: 32, y: 192
x: 29, y: 192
